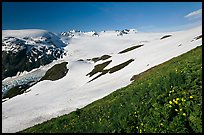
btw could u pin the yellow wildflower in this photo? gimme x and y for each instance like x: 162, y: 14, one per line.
x: 181, y: 109
x: 172, y: 91
x: 142, y: 124
x: 184, y: 114
x: 137, y: 127
x: 176, y: 110
x: 170, y: 102
x: 169, y: 94
x: 191, y: 96
x: 182, y: 99
x: 140, y: 130
x: 170, y: 106
x: 177, y: 99
x: 161, y: 124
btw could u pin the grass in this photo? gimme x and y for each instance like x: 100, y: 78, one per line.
x: 166, y: 36
x: 164, y: 99
x: 56, y: 72
x: 104, y: 57
x: 120, y: 66
x: 130, y: 49
x: 15, y: 91
x: 100, y: 68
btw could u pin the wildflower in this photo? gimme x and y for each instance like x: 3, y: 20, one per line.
x: 181, y: 109
x: 169, y: 94
x: 184, y: 114
x: 191, y: 96
x: 170, y: 106
x: 176, y: 110
x: 177, y: 99
x: 182, y: 99
x: 171, y: 86
x: 161, y: 124
x: 142, y: 124
x: 137, y: 127
x: 172, y: 91
x: 140, y: 130
x: 170, y: 102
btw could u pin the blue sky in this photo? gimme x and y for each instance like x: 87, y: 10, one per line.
x: 98, y: 16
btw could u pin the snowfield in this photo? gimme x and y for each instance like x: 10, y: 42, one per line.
x: 49, y: 99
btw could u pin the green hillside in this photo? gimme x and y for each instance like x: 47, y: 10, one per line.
x: 164, y: 99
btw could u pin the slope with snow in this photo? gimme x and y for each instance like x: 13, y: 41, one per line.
x: 48, y: 99
x: 24, y: 50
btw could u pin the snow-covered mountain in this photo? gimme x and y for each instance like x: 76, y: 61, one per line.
x: 24, y: 50
x: 97, y: 65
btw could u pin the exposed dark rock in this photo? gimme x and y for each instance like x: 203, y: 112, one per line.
x: 95, y: 34
x: 27, y: 58
x: 166, y: 36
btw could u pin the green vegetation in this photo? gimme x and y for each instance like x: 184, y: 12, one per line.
x: 164, y: 99
x: 120, y: 66
x: 56, y: 72
x: 100, y: 68
x: 166, y: 36
x: 130, y: 49
x: 15, y: 91
x: 104, y: 57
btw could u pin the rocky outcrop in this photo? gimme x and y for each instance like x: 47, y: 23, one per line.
x: 18, y: 56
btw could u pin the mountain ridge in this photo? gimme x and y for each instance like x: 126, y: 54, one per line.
x: 76, y: 90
